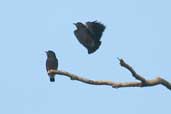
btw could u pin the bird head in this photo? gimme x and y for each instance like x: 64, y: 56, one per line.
x: 79, y: 25
x: 50, y: 53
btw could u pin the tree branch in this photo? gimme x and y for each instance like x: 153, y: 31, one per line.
x: 134, y: 74
x: 143, y: 82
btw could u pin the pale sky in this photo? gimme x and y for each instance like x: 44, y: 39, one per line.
x: 138, y: 31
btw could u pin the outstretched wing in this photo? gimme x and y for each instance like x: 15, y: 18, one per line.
x: 84, y: 37
x: 96, y: 28
x: 89, y: 38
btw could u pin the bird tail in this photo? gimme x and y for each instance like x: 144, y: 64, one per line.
x: 92, y: 50
x: 52, y: 79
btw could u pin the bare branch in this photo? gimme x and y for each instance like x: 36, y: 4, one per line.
x: 144, y: 82
x: 137, y: 76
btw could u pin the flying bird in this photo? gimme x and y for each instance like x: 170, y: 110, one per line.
x: 89, y: 34
x: 51, y: 64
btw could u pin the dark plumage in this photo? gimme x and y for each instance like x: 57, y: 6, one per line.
x: 96, y: 29
x: 51, y: 64
x: 89, y: 35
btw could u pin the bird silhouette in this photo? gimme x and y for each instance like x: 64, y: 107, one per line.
x: 51, y: 64
x: 89, y: 34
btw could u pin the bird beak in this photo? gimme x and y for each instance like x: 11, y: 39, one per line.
x: 74, y: 24
x: 45, y: 51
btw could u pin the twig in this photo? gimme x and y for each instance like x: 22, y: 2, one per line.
x: 134, y: 74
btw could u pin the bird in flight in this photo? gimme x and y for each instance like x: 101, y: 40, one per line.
x: 51, y: 64
x: 89, y: 34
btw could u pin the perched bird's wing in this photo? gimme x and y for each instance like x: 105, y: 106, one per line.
x: 96, y: 29
x: 51, y: 64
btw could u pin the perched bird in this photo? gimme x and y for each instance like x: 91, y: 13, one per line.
x: 51, y: 64
x: 89, y: 34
